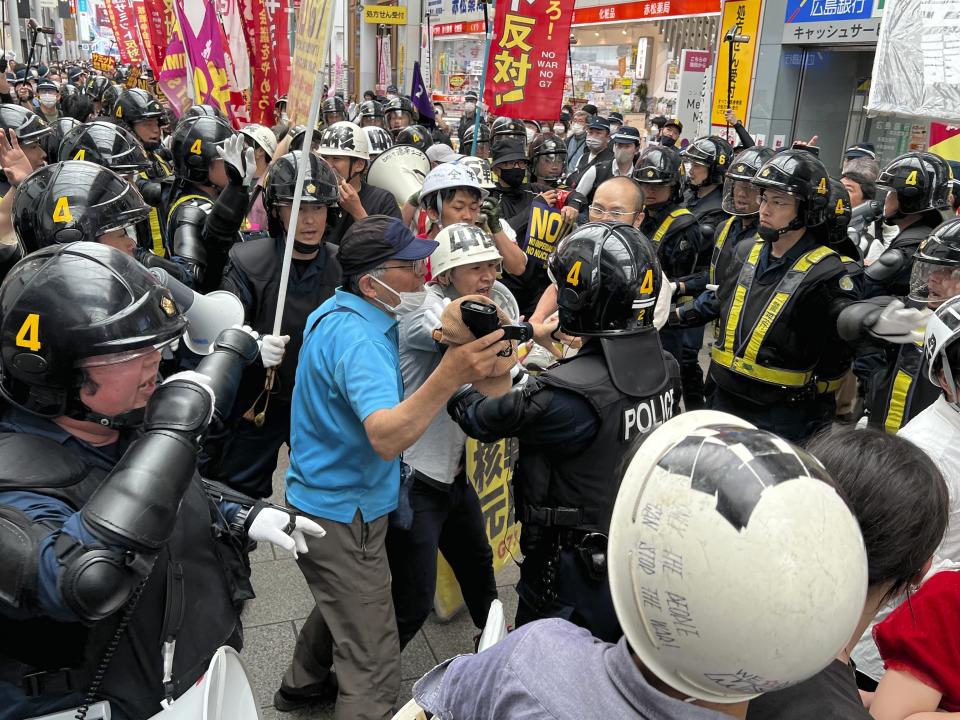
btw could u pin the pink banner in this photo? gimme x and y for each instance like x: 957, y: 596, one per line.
x: 173, y: 74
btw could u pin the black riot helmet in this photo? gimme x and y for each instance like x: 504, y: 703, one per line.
x: 712, y: 151
x: 483, y: 140
x: 660, y: 165
x: 399, y: 113
x: 73, y: 201
x: 319, y: 187
x: 68, y: 89
x: 194, y: 146
x: 59, y: 127
x: 608, y: 280
x: 299, y: 132
x: 415, y: 135
x: 67, y: 307
x: 29, y: 126
x: 935, y: 276
x: 921, y: 181
x: 370, y: 114
x: 800, y: 174
x: 550, y: 152
x: 504, y: 127
x: 740, y: 195
x: 95, y: 87
x: 839, y: 212
x: 333, y: 110
x: 109, y: 99
x: 136, y: 105
x: 202, y: 111
x: 104, y: 143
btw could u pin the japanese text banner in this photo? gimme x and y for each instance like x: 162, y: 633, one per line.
x: 528, y: 58
x: 314, y: 23
x: 123, y: 22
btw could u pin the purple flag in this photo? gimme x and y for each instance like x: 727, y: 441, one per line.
x: 421, y: 98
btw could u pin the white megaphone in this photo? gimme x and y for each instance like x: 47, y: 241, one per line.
x: 400, y: 171
x: 207, y: 315
x: 223, y: 693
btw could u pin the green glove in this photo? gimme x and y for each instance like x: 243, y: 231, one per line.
x: 490, y: 215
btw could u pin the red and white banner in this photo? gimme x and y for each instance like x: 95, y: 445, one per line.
x: 237, y: 57
x: 260, y: 40
x: 124, y: 25
x: 528, y: 58
x: 280, y: 20
x: 153, y: 31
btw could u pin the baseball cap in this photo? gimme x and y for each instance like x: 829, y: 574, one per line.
x: 377, y: 238
x: 626, y: 134
x: 454, y: 331
x: 675, y: 123
x: 392, y: 88
x: 441, y: 153
x: 599, y: 123
x: 860, y: 150
x: 617, y: 116
x: 471, y: 95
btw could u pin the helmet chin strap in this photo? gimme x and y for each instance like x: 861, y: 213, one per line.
x: 771, y: 235
x: 129, y: 419
x: 892, y: 219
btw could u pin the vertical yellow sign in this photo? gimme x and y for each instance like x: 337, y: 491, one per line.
x: 314, y: 23
x: 743, y: 18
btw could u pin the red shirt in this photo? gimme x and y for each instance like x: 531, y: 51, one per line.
x: 922, y: 637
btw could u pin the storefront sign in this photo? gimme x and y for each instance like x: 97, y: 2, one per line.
x: 644, y: 48
x: 457, y: 81
x: 693, y: 65
x: 458, y: 28
x: 528, y: 59
x: 736, y: 78
x: 385, y: 14
x: 646, y: 10
x: 832, y: 22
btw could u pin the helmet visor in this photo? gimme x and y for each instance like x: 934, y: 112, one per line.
x: 124, y: 356
x: 740, y: 197
x: 934, y: 283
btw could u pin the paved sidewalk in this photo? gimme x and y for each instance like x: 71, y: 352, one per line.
x: 273, y: 619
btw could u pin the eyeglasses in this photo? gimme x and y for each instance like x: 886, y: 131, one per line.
x: 600, y: 211
x: 515, y: 165
x: 418, y: 267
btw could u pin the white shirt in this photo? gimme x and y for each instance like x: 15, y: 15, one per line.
x: 936, y: 431
x: 590, y: 177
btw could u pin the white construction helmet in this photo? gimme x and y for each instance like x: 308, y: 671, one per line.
x: 462, y: 244
x: 450, y: 175
x: 262, y: 136
x: 735, y: 566
x: 943, y: 329
x: 378, y: 140
x: 345, y: 139
x: 481, y: 168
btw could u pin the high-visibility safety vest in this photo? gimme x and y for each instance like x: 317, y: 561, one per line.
x: 737, y: 351
x: 667, y: 222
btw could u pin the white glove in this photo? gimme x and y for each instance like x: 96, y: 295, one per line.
x: 231, y: 152
x: 713, y: 288
x: 432, y: 312
x: 249, y: 331
x: 250, y: 163
x: 900, y: 325
x: 283, y: 529
x: 197, y: 379
x: 272, y: 348
x: 673, y: 288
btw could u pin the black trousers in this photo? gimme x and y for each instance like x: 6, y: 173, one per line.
x: 249, y: 456
x: 576, y: 597
x: 453, y: 523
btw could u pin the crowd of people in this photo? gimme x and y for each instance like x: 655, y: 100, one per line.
x: 774, y: 536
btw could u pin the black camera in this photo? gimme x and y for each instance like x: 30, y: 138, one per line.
x: 482, y: 320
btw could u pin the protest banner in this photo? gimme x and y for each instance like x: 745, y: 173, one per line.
x: 546, y: 228
x: 314, y: 24
x: 527, y: 60
x: 490, y: 470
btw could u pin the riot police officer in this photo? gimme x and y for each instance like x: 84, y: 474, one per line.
x: 370, y: 114
x: 741, y: 201
x: 333, y: 110
x: 31, y: 132
x: 124, y: 576
x: 142, y: 114
x: 249, y: 457
x: 779, y: 356
x: 482, y: 133
x: 399, y: 113
x: 94, y: 89
x: 414, y: 135
x: 705, y: 162
x: 548, y: 156
x: 577, y: 421
x: 205, y: 207
x: 918, y: 185
x: 675, y: 234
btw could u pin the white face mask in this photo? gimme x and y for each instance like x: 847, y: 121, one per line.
x: 558, y: 129
x: 623, y: 155
x: 613, y: 128
x: 409, y: 301
x: 48, y: 100
x: 470, y: 106
x: 594, y: 143
x: 531, y: 134
x: 578, y: 128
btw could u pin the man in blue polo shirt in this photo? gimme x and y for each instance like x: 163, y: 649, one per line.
x: 349, y: 425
